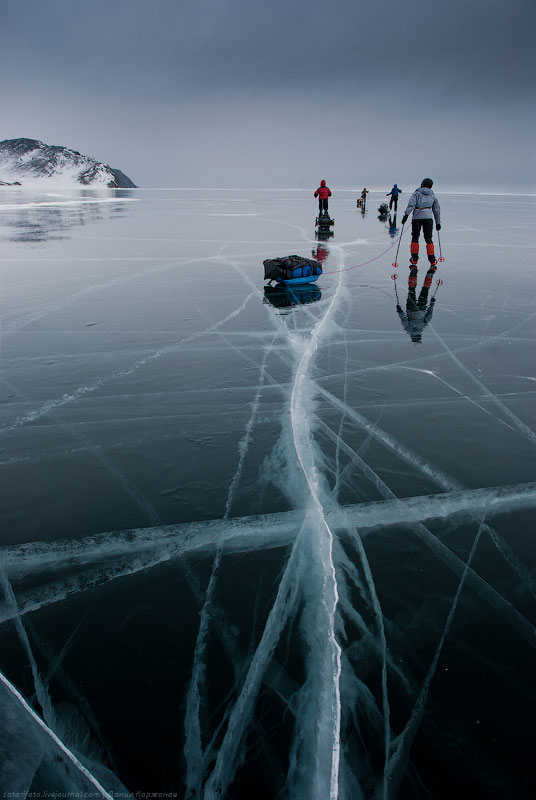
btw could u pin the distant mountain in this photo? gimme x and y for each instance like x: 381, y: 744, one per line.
x: 30, y: 161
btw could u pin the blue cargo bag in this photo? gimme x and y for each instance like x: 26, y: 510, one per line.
x: 292, y: 268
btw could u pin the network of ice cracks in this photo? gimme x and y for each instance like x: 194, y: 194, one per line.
x: 327, y: 570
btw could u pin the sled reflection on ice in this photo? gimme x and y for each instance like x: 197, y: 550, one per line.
x: 285, y: 296
x: 323, y: 234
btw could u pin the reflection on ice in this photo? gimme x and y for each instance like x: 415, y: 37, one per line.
x: 418, y: 311
x: 338, y: 536
x: 285, y: 296
x: 38, y: 218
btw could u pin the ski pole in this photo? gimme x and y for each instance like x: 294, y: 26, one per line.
x: 439, y: 283
x: 395, y: 262
x: 440, y: 253
x: 394, y: 277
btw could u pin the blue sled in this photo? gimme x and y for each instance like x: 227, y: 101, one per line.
x: 299, y: 281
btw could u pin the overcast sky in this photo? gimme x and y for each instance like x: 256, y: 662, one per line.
x: 280, y: 93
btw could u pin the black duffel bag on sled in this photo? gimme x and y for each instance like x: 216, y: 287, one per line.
x: 291, y: 268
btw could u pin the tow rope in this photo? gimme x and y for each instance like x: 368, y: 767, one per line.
x: 370, y: 260
x: 347, y: 269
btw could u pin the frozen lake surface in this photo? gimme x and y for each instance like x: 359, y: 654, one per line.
x: 256, y: 543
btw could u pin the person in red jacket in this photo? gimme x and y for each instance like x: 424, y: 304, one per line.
x: 323, y: 192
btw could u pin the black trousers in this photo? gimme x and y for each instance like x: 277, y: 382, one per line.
x: 412, y: 303
x: 393, y: 200
x: 427, y: 226
x: 322, y: 204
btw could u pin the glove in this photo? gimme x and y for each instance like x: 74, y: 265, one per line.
x: 437, y: 227
x: 404, y: 219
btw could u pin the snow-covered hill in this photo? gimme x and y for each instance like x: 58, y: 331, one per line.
x: 31, y: 162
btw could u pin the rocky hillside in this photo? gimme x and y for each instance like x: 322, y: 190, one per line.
x: 28, y: 161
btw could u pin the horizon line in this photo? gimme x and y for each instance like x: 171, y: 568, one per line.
x: 303, y: 189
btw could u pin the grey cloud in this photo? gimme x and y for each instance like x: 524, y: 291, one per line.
x: 212, y: 44
x: 234, y: 92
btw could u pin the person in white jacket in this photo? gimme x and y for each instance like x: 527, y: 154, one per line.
x: 425, y: 207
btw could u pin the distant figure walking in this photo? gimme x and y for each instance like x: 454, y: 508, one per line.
x: 363, y: 197
x: 425, y: 207
x: 395, y: 191
x: 323, y: 192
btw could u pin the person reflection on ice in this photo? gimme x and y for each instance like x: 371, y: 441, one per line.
x: 393, y: 230
x: 320, y: 253
x: 418, y: 311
